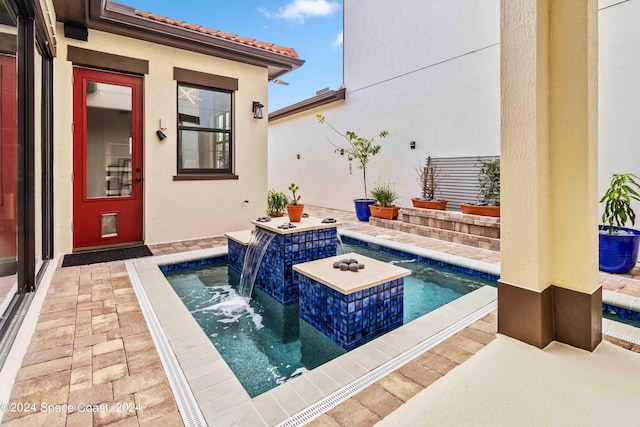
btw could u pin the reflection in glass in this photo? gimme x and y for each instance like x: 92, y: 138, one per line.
x: 204, y: 129
x: 204, y: 150
x: 8, y: 162
x: 108, y: 140
x: 204, y: 108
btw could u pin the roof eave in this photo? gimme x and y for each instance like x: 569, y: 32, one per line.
x: 119, y: 19
x: 310, y: 103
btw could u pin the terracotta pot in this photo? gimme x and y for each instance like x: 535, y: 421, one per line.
x: 390, y: 212
x: 493, y: 211
x: 276, y: 214
x: 438, y: 205
x: 295, y: 212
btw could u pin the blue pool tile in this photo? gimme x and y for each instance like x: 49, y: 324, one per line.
x: 352, y: 320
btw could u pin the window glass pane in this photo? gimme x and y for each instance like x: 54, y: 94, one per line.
x: 204, y: 108
x: 8, y: 161
x: 108, y: 140
x: 37, y: 152
x: 204, y: 150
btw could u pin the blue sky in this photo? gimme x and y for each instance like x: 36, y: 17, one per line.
x: 312, y: 27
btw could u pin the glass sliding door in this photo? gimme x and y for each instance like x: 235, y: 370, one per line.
x: 8, y: 158
x: 26, y: 150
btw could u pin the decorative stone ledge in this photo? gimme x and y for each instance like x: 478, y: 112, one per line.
x: 471, y: 230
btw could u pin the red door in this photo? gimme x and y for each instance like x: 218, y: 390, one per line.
x: 8, y: 159
x: 107, y: 159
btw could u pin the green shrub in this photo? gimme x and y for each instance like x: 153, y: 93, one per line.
x: 276, y: 202
x: 384, y: 195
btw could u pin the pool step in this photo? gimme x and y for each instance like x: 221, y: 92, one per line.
x: 471, y: 230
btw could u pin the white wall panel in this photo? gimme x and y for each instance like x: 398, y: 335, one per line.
x: 429, y: 71
x: 619, y: 92
x: 426, y: 72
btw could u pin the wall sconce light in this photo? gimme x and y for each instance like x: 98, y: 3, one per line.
x: 257, y: 110
x: 412, y: 144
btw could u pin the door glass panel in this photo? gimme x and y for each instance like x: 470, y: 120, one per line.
x: 109, y: 133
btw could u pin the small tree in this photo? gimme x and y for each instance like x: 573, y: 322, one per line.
x: 428, y: 180
x: 361, y: 149
x: 489, y: 181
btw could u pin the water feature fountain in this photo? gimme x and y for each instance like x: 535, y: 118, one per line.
x: 256, y: 248
x: 309, y: 240
x: 280, y: 258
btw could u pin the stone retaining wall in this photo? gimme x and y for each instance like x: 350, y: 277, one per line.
x: 471, y: 230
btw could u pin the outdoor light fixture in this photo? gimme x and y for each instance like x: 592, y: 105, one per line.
x: 161, y: 132
x: 257, y: 110
x: 412, y: 144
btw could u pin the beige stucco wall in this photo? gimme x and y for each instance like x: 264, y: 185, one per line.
x: 173, y: 210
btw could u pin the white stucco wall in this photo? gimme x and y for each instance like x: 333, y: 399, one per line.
x: 173, y: 210
x: 412, y: 69
x: 429, y: 72
x: 618, y: 91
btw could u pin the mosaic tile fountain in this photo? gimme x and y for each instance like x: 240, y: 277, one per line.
x: 297, y: 268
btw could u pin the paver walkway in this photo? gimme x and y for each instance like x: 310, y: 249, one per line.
x: 92, y: 351
x: 92, y: 348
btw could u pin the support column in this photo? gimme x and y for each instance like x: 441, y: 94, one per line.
x: 549, y: 286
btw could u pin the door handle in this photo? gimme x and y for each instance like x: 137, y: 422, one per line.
x: 138, y: 179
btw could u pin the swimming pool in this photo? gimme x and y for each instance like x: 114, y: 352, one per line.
x: 265, y: 343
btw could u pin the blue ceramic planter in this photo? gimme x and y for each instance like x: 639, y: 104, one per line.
x: 618, y: 254
x: 362, y: 208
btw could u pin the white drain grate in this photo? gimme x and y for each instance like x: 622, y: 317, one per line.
x: 186, y: 401
x: 621, y: 336
x: 323, y: 405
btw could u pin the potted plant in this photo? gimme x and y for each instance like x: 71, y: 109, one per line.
x: 489, y: 198
x: 294, y: 210
x: 428, y: 180
x: 360, y: 149
x: 384, y: 197
x: 276, y: 203
x: 618, y: 245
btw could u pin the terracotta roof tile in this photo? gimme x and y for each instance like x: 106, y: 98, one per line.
x: 215, y: 33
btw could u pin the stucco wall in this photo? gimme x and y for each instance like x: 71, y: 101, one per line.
x: 426, y: 72
x: 618, y: 91
x: 429, y: 72
x: 173, y: 210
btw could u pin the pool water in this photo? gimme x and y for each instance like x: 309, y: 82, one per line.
x: 263, y: 342
x: 428, y: 287
x: 266, y: 344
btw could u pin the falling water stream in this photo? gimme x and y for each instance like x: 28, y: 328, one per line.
x: 339, y: 247
x: 256, y: 249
